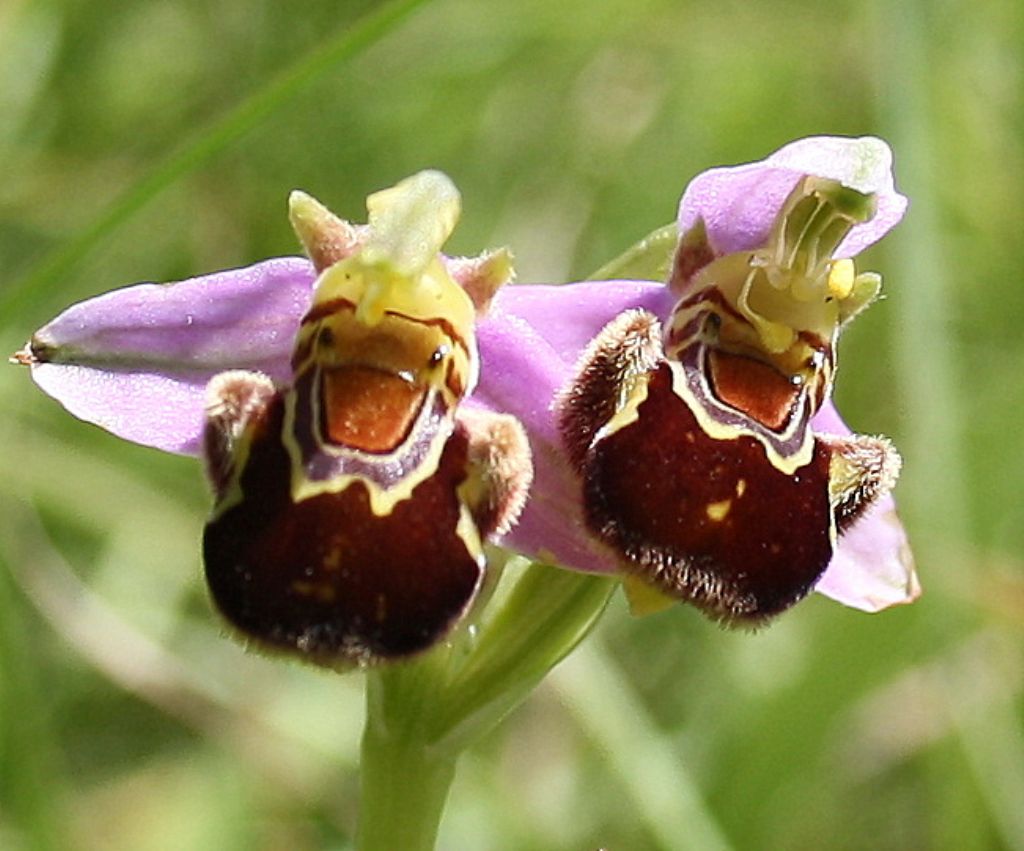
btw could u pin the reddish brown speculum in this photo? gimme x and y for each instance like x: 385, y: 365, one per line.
x: 368, y: 409
x: 754, y: 387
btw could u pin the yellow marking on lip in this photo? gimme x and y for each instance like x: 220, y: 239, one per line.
x: 322, y: 593
x: 629, y: 408
x: 716, y: 430
x: 382, y: 500
x: 741, y: 488
x: 718, y: 511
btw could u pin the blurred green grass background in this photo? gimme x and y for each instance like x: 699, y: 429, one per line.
x: 128, y: 721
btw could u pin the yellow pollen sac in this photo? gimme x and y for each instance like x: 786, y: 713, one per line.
x: 841, y: 278
x: 718, y: 511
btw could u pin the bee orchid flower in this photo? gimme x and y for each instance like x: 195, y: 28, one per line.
x: 705, y: 457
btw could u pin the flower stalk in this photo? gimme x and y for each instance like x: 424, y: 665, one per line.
x: 404, y: 779
x: 423, y: 713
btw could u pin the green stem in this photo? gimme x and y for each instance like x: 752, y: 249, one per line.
x: 420, y: 715
x: 404, y: 780
x: 403, y: 790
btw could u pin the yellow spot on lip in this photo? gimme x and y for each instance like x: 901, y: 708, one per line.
x: 841, y: 278
x: 741, y: 488
x: 321, y: 593
x: 717, y: 511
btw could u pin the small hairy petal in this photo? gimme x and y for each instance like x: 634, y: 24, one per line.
x: 738, y: 204
x: 873, y: 566
x: 529, y: 342
x: 136, y: 361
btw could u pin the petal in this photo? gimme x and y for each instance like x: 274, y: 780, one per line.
x: 529, y: 342
x: 162, y: 410
x: 136, y: 361
x: 828, y: 421
x: 873, y: 566
x: 739, y: 203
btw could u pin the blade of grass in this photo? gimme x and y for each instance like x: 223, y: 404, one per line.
x: 33, y: 792
x: 653, y: 778
x: 242, y: 118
